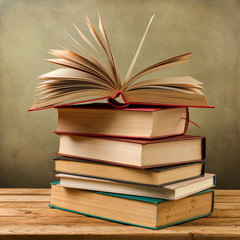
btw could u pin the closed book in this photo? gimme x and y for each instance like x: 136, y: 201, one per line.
x: 134, y: 152
x: 170, y: 192
x: 158, y: 176
x: 134, y: 122
x: 153, y: 213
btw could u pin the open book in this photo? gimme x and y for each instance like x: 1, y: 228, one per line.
x: 86, y: 76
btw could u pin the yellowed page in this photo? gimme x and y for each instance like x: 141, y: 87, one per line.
x: 136, y: 55
x: 104, y: 35
x: 186, y: 81
x: 160, y: 65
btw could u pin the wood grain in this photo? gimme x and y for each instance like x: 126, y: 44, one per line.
x: 25, y: 215
x: 25, y: 191
x: 227, y: 192
x: 24, y: 198
x: 228, y: 199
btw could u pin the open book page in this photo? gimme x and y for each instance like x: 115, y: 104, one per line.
x: 178, y: 82
x: 68, y: 74
x: 168, y: 96
x: 126, y: 79
x: 85, y: 75
x: 181, y: 59
x: 104, y: 35
x: 82, y: 64
x: 61, y: 97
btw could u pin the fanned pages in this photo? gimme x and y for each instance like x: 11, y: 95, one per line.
x: 91, y: 73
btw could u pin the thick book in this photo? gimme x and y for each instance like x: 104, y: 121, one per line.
x: 159, y: 176
x: 86, y: 77
x: 153, y: 213
x: 171, y: 192
x: 134, y: 122
x: 134, y: 152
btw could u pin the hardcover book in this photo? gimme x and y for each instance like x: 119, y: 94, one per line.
x: 134, y: 152
x: 135, y: 122
x: 88, y: 77
x: 159, y: 176
x: 171, y: 192
x: 153, y: 213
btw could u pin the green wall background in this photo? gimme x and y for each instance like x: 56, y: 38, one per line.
x: 209, y: 28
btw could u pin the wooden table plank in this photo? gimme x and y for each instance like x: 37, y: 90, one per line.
x: 227, y: 205
x: 227, y: 199
x: 82, y: 220
x: 38, y: 205
x: 175, y: 232
x: 35, y: 212
x: 225, y: 213
x: 25, y: 215
x: 24, y: 191
x: 47, y: 211
x: 227, y: 192
x: 24, y: 198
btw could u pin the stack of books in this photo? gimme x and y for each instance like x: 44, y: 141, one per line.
x: 133, y: 165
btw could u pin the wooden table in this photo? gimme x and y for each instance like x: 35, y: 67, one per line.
x: 24, y: 214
